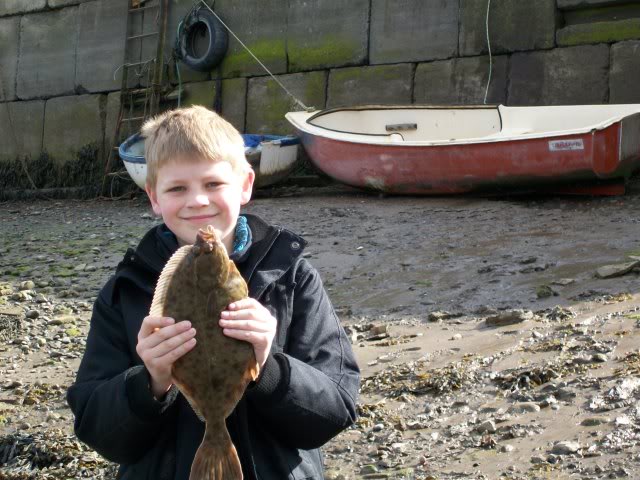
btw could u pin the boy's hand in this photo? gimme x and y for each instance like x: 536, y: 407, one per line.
x: 248, y: 320
x: 161, y: 342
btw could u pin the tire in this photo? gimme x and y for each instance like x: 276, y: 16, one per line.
x: 203, y: 23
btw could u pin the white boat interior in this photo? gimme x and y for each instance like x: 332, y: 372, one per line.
x: 412, y: 125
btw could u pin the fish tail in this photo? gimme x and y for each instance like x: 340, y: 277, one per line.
x: 216, y: 458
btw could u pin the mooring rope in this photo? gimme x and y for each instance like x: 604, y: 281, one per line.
x: 486, y: 93
x: 296, y: 100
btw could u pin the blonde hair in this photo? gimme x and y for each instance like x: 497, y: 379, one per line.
x: 193, y: 133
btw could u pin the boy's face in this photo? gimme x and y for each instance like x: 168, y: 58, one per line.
x: 192, y: 195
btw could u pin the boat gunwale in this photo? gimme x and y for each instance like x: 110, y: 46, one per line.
x: 494, y: 138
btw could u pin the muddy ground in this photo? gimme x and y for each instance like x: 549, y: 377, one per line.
x: 488, y: 346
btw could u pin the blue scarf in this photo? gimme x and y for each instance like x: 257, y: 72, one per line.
x: 243, y: 235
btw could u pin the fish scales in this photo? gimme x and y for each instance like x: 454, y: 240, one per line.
x: 197, y: 284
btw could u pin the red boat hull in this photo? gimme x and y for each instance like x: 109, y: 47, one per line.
x: 598, y: 162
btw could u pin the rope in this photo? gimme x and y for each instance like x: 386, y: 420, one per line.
x: 295, y: 99
x: 486, y: 93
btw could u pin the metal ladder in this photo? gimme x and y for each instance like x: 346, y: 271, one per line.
x: 149, y: 96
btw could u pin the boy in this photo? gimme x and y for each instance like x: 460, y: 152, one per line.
x: 125, y: 404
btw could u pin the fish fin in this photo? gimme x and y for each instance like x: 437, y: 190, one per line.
x: 216, y: 458
x: 196, y: 410
x: 254, y: 371
x: 160, y: 293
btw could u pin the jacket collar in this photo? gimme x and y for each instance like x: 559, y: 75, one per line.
x: 273, y: 251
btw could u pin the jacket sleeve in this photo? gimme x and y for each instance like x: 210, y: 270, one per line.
x: 308, y: 393
x: 115, y: 411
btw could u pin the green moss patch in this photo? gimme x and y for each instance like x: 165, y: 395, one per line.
x: 240, y: 63
x: 599, y: 32
x: 333, y: 51
x: 46, y: 172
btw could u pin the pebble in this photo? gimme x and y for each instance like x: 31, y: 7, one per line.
x: 32, y: 314
x: 510, y: 317
x: 600, y: 358
x: 457, y: 336
x: 368, y: 469
x: 28, y: 285
x: 488, y: 426
x: 507, y: 448
x: 524, y: 407
x: 565, y: 448
x: 40, y: 298
x: 593, y: 421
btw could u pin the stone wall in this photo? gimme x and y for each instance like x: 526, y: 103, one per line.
x: 60, y: 64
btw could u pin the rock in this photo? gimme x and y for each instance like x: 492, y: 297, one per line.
x: 21, y: 296
x: 32, y: 314
x: 507, y: 448
x: 623, y: 420
x: 331, y: 475
x: 11, y: 311
x: 548, y: 402
x: 564, y: 394
x: 565, y: 448
x: 617, y: 270
x: 510, y: 317
x: 28, y: 285
x: 563, y: 282
x: 368, y: 469
x: 528, y: 260
x: 81, y: 267
x: 594, y: 421
x: 545, y: 291
x: 61, y: 320
x: 457, y: 336
x: 599, y: 357
x: 398, y: 447
x: 537, y: 459
x: 488, y: 426
x: 524, y: 407
x: 438, y: 316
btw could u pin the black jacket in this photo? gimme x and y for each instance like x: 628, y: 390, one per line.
x: 305, y: 395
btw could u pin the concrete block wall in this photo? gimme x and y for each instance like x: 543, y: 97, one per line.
x: 60, y: 58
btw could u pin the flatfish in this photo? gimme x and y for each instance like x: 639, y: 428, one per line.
x: 197, y: 284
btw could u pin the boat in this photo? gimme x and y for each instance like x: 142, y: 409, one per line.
x: 426, y: 150
x: 272, y: 157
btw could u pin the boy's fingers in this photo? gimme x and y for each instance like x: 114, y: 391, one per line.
x: 170, y: 357
x: 150, y: 324
x: 165, y: 333
x: 240, y: 314
x: 172, y: 343
x: 252, y: 325
x: 246, y: 335
x: 244, y: 303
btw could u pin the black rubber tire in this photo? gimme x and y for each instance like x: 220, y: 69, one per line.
x: 218, y: 42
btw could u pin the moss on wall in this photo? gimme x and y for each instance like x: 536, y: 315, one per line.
x: 241, y: 63
x: 334, y: 51
x: 599, y: 32
x: 84, y: 170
